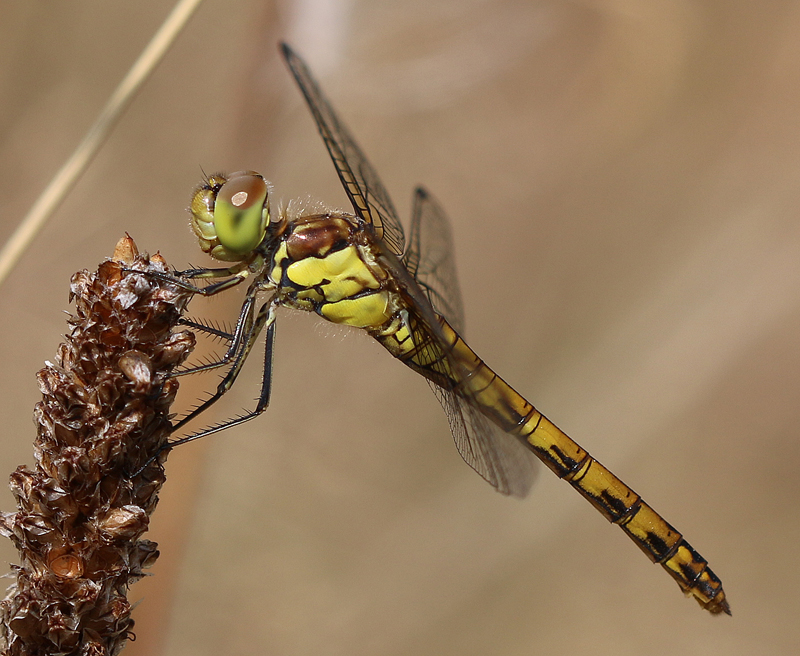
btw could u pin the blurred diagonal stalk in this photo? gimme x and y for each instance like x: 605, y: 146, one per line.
x: 103, y: 419
x: 64, y: 180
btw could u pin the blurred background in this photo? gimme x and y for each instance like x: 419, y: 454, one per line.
x: 623, y: 180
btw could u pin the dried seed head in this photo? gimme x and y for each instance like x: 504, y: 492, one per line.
x: 104, y: 414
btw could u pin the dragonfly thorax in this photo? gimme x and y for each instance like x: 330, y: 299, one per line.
x: 325, y: 264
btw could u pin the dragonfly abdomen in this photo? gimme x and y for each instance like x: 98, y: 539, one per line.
x: 460, y: 370
x: 622, y: 506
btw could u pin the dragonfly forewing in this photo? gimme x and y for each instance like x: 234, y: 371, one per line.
x: 361, y: 183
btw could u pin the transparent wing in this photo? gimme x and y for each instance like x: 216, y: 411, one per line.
x: 430, y: 258
x: 494, y: 454
x: 366, y: 192
x: 497, y: 456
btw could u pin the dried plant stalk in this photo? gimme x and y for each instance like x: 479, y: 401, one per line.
x: 83, y: 508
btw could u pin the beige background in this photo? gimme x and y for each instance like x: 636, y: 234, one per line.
x: 624, y: 184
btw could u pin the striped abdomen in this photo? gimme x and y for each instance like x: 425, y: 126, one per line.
x: 455, y: 367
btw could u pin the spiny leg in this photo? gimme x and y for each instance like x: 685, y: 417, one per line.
x: 241, y: 342
x: 207, y: 328
x: 239, y: 272
x: 266, y: 316
x: 244, y: 326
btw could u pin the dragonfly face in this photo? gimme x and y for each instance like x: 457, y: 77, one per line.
x: 230, y: 215
x: 356, y: 269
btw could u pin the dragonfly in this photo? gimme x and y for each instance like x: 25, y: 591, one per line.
x: 358, y: 269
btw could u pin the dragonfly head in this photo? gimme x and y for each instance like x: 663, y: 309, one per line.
x: 230, y: 215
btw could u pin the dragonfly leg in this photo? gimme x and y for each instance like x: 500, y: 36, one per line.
x: 237, y: 275
x: 207, y: 329
x: 243, y: 331
x: 265, y: 317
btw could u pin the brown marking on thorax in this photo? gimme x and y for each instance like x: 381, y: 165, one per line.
x: 316, y: 236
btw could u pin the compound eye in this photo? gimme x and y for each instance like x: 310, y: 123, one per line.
x: 241, y: 213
